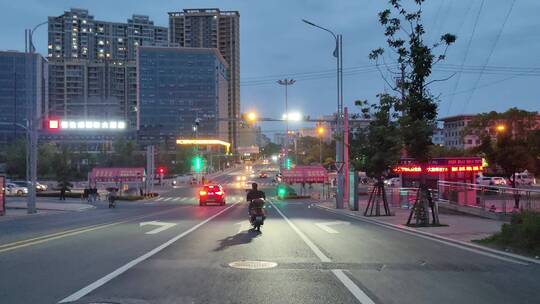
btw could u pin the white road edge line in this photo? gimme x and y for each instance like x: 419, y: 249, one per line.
x: 93, y: 286
x: 420, y: 235
x: 360, y: 295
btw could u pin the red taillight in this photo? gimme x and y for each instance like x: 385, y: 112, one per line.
x: 202, y: 193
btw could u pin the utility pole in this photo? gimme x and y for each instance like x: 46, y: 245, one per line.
x: 286, y: 82
x: 150, y: 169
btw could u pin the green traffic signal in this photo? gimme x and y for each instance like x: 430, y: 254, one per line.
x: 197, y: 163
x: 287, y: 164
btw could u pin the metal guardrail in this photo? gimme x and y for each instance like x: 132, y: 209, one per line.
x: 490, y: 198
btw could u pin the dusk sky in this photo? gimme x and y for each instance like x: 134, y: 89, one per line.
x: 276, y: 44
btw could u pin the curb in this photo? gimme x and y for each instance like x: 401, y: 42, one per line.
x: 443, y: 239
x: 53, y: 209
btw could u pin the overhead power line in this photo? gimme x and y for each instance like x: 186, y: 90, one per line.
x: 497, y: 38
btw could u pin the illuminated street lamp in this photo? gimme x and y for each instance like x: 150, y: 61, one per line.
x: 251, y: 116
x: 501, y: 128
x: 320, y: 132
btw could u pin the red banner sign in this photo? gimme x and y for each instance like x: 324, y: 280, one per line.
x: 305, y: 174
x: 117, y: 175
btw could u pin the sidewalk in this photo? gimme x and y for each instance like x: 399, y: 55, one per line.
x: 50, y: 206
x: 460, y: 227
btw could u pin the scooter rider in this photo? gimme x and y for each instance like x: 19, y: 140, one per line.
x: 254, y: 194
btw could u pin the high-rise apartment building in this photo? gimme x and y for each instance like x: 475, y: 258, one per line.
x: 92, y: 65
x: 212, y: 28
x: 178, y: 87
x: 23, y: 84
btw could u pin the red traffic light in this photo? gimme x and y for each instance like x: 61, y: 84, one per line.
x: 161, y: 170
x: 53, y: 124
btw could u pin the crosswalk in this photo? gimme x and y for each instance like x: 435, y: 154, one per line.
x: 236, y: 184
x: 193, y: 200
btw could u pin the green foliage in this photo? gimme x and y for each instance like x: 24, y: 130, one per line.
x: 512, y: 149
x: 270, y: 149
x: 309, y: 149
x: 404, y: 32
x: 523, y: 233
x: 15, y: 158
x: 377, y: 149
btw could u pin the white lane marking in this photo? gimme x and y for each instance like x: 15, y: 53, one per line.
x: 427, y: 237
x: 324, y: 226
x: 168, y: 199
x: 183, y: 199
x: 348, y: 283
x: 159, y: 199
x: 308, y: 242
x: 355, y: 290
x: 243, y: 226
x: 361, y: 296
x: 177, y: 199
x: 100, y: 282
x: 162, y: 226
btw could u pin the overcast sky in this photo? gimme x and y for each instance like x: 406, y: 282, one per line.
x: 276, y: 44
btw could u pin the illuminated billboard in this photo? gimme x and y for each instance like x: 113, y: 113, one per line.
x: 57, y: 124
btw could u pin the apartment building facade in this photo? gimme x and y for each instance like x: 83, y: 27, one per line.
x: 92, y: 67
x: 178, y: 87
x: 23, y: 85
x: 212, y: 28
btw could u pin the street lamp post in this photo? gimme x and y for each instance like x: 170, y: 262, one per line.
x: 342, y: 170
x: 320, y: 131
x: 32, y: 138
x: 286, y: 82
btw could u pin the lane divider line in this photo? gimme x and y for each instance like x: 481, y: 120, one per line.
x: 512, y: 258
x: 360, y: 295
x: 71, y: 232
x: 100, y: 282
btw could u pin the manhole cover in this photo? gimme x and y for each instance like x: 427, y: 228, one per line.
x: 252, y: 264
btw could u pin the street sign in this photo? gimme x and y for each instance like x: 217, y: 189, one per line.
x: 305, y: 174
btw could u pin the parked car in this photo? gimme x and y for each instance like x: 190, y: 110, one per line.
x: 39, y: 187
x: 523, y: 178
x: 14, y: 189
x: 491, y: 181
x: 393, y: 182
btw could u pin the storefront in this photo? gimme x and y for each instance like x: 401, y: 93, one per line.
x: 452, y: 169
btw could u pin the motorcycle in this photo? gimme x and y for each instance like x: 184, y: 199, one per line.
x: 257, y: 215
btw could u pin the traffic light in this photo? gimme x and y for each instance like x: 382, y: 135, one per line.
x: 197, y: 163
x: 281, y: 191
x: 161, y: 170
x: 287, y: 163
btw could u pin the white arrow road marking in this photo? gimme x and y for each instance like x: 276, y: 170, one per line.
x: 324, y: 226
x: 243, y: 226
x: 164, y: 226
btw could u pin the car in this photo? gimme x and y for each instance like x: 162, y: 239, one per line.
x: 15, y: 189
x: 523, y: 178
x: 212, y: 194
x: 263, y: 175
x: 39, y: 187
x: 491, y: 181
x: 393, y: 182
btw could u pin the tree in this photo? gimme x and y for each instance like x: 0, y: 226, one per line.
x: 418, y: 107
x: 15, y: 157
x: 310, y: 149
x: 270, y: 149
x: 63, y: 166
x: 377, y: 149
x: 125, y: 154
x: 508, y: 141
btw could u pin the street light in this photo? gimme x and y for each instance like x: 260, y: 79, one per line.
x: 501, y: 128
x: 251, y: 116
x: 341, y: 149
x: 286, y: 82
x: 320, y: 132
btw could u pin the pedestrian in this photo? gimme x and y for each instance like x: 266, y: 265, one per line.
x: 141, y: 191
x: 63, y: 192
x: 86, y: 194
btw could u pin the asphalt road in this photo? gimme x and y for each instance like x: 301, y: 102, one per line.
x: 314, y: 256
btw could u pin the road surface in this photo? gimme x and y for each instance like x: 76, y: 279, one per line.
x: 171, y: 250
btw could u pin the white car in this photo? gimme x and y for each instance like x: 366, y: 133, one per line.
x: 393, y: 182
x: 522, y: 178
x: 491, y: 181
x: 14, y: 189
